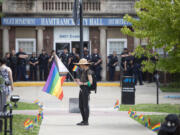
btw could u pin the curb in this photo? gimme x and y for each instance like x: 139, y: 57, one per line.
x: 41, y: 84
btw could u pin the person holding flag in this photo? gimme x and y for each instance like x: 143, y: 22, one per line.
x: 85, y: 81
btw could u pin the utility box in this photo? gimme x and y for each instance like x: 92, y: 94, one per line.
x: 74, y: 105
x: 128, y: 90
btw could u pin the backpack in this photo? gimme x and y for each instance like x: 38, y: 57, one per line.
x: 94, y: 84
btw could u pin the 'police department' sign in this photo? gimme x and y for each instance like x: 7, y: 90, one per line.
x: 19, y: 21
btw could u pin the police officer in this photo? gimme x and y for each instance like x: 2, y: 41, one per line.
x: 85, y: 81
x: 96, y: 64
x: 33, y: 61
x: 138, y: 70
x: 113, y: 61
x: 129, y: 65
x: 124, y: 54
x: 86, y: 55
x: 64, y: 56
x: 43, y: 65
x: 73, y: 58
x: 51, y: 59
x: 13, y: 64
x: 21, y: 65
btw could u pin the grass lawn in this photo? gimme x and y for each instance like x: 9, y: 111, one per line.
x: 18, y: 125
x: 154, y: 119
x: 169, y: 89
x: 25, y: 106
x: 167, y: 108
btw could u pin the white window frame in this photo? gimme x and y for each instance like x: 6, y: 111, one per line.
x: 26, y: 39
x: 116, y: 40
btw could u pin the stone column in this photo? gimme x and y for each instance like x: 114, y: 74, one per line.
x: 103, y: 51
x: 5, y: 42
x: 39, y: 39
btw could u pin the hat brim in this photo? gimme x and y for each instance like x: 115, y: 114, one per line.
x: 82, y: 63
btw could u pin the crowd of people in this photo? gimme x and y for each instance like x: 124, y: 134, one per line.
x: 129, y: 64
x: 18, y: 61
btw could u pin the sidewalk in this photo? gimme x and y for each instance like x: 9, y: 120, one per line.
x: 104, y: 120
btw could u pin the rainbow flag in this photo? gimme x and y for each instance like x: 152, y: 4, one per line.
x: 156, y: 127
x: 129, y: 112
x: 149, y: 122
x: 135, y: 115
x: 36, y: 101
x: 75, y: 68
x: 28, y: 124
x: 116, y: 105
x: 141, y: 117
x: 54, y: 82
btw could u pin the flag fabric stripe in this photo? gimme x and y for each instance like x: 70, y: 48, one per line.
x: 75, y: 68
x: 156, y: 127
x: 49, y: 77
x: 52, y: 79
x: 54, y: 82
x: 56, y: 78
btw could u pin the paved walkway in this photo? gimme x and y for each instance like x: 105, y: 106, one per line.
x: 104, y: 120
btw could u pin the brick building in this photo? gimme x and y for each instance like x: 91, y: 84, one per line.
x: 47, y: 24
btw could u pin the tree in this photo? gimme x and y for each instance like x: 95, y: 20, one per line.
x: 159, y: 22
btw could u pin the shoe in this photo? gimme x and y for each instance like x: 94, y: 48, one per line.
x: 85, y: 123
x: 80, y: 123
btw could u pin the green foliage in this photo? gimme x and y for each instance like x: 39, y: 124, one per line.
x: 159, y: 21
x: 18, y: 125
x: 167, y: 108
x: 26, y: 106
x: 154, y: 119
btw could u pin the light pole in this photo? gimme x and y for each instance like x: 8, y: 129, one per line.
x: 157, y: 85
x: 81, y: 27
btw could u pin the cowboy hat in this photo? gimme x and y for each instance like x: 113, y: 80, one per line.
x: 83, y: 62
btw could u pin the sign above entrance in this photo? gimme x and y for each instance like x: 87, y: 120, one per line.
x: 19, y: 21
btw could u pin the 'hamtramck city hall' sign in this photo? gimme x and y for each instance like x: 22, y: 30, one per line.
x: 22, y: 21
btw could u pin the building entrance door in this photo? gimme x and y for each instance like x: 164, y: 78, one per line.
x: 76, y: 44
x: 61, y: 46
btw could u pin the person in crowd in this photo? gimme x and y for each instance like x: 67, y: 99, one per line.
x: 43, y: 65
x: 8, y: 59
x: 33, y: 62
x: 124, y: 54
x: 73, y: 58
x: 21, y: 65
x: 64, y: 56
x: 129, y: 65
x: 85, y: 81
x: 51, y: 59
x: 96, y: 64
x: 6, y: 73
x: 86, y: 55
x: 13, y: 64
x: 138, y: 70
x: 113, y: 61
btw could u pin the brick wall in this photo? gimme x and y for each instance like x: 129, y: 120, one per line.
x: 94, y: 35
x: 130, y: 43
x: 48, y: 35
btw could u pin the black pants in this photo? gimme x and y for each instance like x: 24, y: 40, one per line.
x: 21, y: 72
x: 111, y: 73
x: 43, y: 73
x: 33, y: 73
x: 84, y: 102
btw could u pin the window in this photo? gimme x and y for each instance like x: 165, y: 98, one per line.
x: 28, y: 45
x: 117, y: 45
